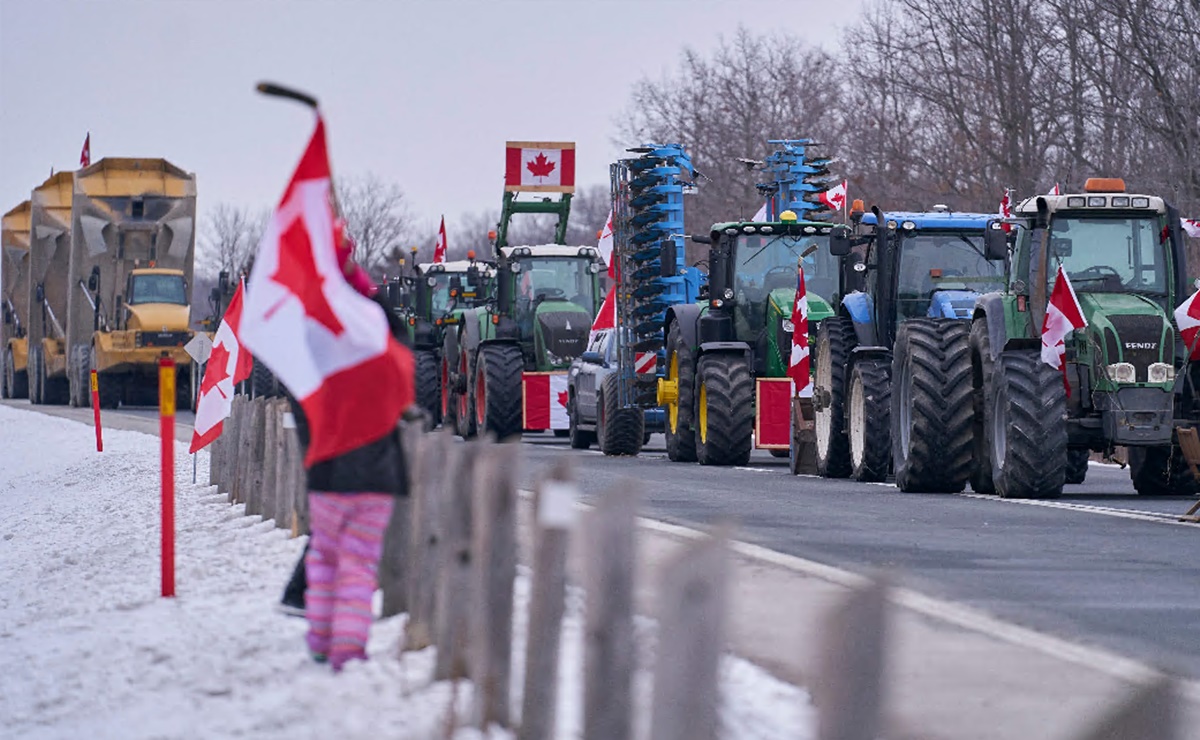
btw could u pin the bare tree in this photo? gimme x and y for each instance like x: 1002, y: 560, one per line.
x: 377, y: 218
x: 229, y: 238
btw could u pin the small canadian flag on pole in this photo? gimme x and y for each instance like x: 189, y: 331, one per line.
x: 1191, y: 226
x: 1056, y: 190
x: 85, y: 156
x: 835, y: 197
x: 798, y: 365
x: 439, y: 250
x: 228, y: 365
x: 1063, y: 316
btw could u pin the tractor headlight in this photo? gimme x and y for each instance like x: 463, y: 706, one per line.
x: 788, y: 326
x: 1160, y: 372
x: 1140, y: 202
x: 1121, y: 372
x: 728, y: 294
x: 1076, y: 202
x: 594, y: 268
x: 515, y: 266
x: 431, y: 282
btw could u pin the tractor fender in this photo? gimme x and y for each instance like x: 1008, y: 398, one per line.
x: 870, y: 352
x: 687, y: 315
x: 725, y: 348
x: 989, y: 308
x: 860, y: 307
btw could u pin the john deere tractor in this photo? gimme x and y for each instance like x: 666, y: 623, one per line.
x: 1127, y: 378
x: 889, y: 387
x: 506, y: 363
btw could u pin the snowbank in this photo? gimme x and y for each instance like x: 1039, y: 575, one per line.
x: 88, y: 649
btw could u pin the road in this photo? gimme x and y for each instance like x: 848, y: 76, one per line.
x: 1101, y: 565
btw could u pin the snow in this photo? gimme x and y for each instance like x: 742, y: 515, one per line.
x: 89, y: 649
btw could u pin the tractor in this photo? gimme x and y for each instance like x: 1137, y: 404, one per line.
x: 889, y: 389
x: 1126, y: 379
x: 505, y: 367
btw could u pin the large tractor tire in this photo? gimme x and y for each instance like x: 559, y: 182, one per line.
x: 497, y: 390
x: 1077, y: 465
x: 620, y: 431
x: 869, y: 425
x: 680, y: 433
x: 835, y: 340
x: 35, y: 374
x: 1027, y: 427
x: 428, y: 376
x: 451, y: 395
x: 981, y: 391
x: 79, y: 374
x: 1161, y: 471
x: 581, y: 439
x: 724, y: 416
x: 931, y: 406
x: 16, y: 384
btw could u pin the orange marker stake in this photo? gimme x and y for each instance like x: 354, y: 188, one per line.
x: 166, y: 415
x: 96, y: 411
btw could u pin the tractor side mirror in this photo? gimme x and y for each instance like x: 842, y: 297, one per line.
x: 701, y: 239
x: 995, y: 242
x: 473, y: 275
x: 839, y: 241
x: 94, y: 279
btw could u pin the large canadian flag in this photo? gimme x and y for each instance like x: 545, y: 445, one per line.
x: 547, y: 166
x: 1063, y: 316
x: 228, y: 365
x: 798, y: 365
x: 1187, y: 318
x: 835, y: 197
x: 606, y: 318
x: 439, y: 249
x: 329, y: 345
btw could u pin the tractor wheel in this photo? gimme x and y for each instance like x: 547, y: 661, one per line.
x: 450, y: 392
x: 869, y: 426
x: 16, y: 384
x: 79, y: 382
x: 724, y: 410
x: 580, y: 439
x: 465, y: 408
x: 681, y: 437
x: 1077, y: 465
x: 428, y: 383
x: 835, y: 339
x: 108, y: 386
x: 1027, y: 429
x: 981, y: 391
x: 498, y: 390
x: 618, y: 430
x: 931, y: 406
x: 35, y: 374
x: 1161, y: 471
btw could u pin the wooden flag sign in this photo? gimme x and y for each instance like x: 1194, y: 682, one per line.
x: 540, y: 166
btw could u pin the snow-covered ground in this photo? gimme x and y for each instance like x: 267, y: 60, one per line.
x: 89, y: 649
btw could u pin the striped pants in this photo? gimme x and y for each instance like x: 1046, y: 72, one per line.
x: 343, y: 556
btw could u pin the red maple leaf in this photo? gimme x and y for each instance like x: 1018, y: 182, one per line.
x: 218, y: 370
x: 298, y: 273
x: 540, y: 166
x: 562, y: 398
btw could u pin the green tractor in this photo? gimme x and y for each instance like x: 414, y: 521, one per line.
x: 726, y: 388
x: 1127, y: 381
x: 504, y: 367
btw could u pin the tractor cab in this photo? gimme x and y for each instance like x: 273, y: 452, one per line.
x: 551, y: 293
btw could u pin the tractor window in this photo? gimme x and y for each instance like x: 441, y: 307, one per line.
x: 556, y: 278
x: 470, y: 293
x: 158, y: 289
x: 933, y: 261
x: 1109, y: 255
x: 768, y: 262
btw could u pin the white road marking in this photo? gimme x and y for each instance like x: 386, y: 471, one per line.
x: 1160, y: 517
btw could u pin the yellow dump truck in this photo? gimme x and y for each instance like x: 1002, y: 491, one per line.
x: 132, y: 257
x: 14, y: 302
x: 49, y: 263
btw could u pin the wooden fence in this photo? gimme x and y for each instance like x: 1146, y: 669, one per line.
x: 450, y: 561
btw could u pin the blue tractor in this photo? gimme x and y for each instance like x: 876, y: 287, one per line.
x: 890, y: 394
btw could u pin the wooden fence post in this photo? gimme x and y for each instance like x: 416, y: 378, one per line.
x: 848, y: 690
x: 270, y: 490
x: 454, y: 574
x: 609, y: 650
x: 394, y: 566
x: 241, y: 482
x: 432, y: 489
x: 232, y: 434
x: 215, y: 449
x: 554, y: 507
x: 283, y: 500
x: 494, y: 543
x: 253, y: 495
x: 691, y: 627
x: 1148, y: 713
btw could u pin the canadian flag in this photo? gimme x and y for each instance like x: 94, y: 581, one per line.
x: 606, y: 318
x: 1187, y: 318
x: 761, y: 213
x: 439, y: 250
x: 329, y: 345
x: 1191, y: 226
x: 605, y: 246
x: 85, y: 156
x: 835, y: 197
x: 228, y: 365
x: 545, y: 398
x: 798, y: 364
x: 1056, y: 190
x: 1006, y: 211
x: 1063, y: 316
x: 545, y: 166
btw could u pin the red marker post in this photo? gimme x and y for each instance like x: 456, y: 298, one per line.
x: 166, y: 415
x: 96, y: 411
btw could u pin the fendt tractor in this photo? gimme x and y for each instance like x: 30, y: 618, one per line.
x: 14, y: 302
x: 886, y: 393
x: 652, y: 276
x: 507, y: 362
x: 1130, y: 383
x: 726, y: 387
x: 49, y: 264
x: 129, y: 291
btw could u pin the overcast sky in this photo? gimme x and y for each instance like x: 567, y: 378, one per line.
x: 421, y: 93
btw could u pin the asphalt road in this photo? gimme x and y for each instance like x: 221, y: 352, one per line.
x: 1100, y: 566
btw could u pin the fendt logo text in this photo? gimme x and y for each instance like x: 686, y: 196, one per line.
x: 1141, y: 345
